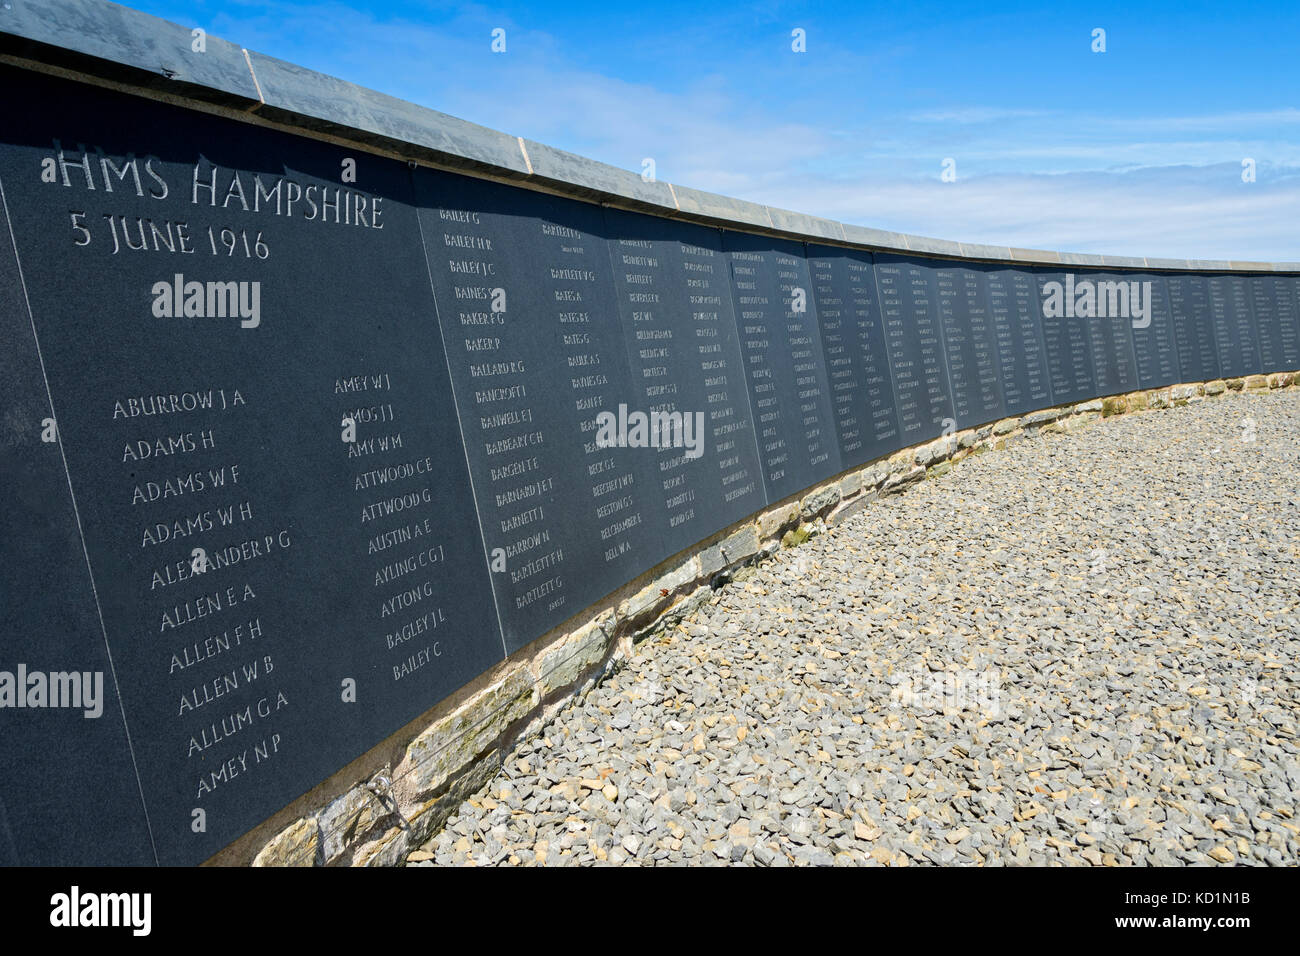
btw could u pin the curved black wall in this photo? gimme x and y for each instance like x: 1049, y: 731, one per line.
x: 473, y: 330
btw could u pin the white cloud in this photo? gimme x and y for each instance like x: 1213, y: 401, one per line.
x: 973, y: 114
x: 1118, y: 214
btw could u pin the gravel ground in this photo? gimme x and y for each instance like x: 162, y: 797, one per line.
x: 1080, y: 650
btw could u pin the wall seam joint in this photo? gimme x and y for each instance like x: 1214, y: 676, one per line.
x: 256, y: 85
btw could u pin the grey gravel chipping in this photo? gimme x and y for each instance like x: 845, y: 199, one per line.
x: 1078, y: 650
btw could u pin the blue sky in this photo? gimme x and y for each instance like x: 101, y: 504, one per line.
x: 1135, y: 151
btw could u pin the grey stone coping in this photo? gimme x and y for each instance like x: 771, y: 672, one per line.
x: 788, y: 221
x: 876, y: 238
x: 300, y: 97
x: 106, y: 41
x: 1081, y: 259
x: 938, y: 247
x: 117, y: 43
x: 720, y: 209
x: 1035, y: 255
x: 976, y: 251
x: 597, y: 181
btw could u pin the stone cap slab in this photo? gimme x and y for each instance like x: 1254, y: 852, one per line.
x: 804, y: 225
x: 1082, y: 259
x: 976, y: 251
x: 116, y: 43
x: 1167, y: 264
x: 1124, y: 262
x: 876, y: 238
x: 938, y: 247
x: 1035, y: 256
x: 301, y: 97
x: 695, y: 203
x: 594, y: 180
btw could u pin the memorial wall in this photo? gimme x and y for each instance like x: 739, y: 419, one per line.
x: 294, y: 449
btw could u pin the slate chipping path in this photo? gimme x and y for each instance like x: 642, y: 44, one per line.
x: 1136, y: 588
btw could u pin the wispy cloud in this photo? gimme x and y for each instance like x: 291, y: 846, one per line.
x: 1188, y: 216
x: 973, y: 114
